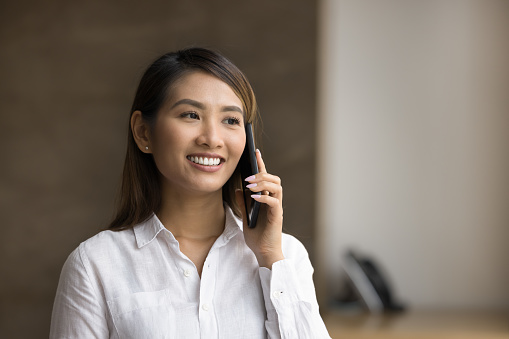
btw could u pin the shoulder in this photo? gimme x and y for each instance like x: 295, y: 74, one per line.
x: 95, y: 257
x: 105, y: 241
x: 100, y: 247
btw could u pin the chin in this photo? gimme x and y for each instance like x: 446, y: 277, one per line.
x: 208, y: 188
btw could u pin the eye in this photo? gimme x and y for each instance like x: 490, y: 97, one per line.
x: 190, y: 115
x: 232, y: 121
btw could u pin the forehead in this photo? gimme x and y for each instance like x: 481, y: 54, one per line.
x: 199, y: 85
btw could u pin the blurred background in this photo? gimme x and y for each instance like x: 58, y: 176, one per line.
x: 387, y: 121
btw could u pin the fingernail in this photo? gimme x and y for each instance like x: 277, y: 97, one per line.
x: 256, y: 196
x: 250, y: 178
x: 251, y: 185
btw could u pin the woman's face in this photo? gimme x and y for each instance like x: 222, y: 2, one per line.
x: 199, y: 135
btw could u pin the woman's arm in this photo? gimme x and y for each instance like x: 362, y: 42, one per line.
x: 265, y: 239
x: 286, y: 276
x: 290, y: 298
x: 77, y: 311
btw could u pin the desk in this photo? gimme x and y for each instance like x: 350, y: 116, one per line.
x: 418, y: 325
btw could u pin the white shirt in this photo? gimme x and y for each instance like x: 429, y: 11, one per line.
x: 137, y: 283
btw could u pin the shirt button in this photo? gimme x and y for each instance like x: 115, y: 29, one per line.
x: 276, y: 294
x: 205, y: 307
x: 187, y: 273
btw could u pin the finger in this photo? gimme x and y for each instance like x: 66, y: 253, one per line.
x: 264, y: 177
x: 274, y: 208
x: 272, y: 188
x: 259, y: 160
x: 272, y: 202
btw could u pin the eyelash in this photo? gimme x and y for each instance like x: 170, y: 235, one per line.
x: 187, y: 115
x: 236, y: 121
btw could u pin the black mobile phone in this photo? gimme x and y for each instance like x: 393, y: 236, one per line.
x: 249, y: 166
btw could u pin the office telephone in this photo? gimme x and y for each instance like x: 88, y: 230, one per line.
x: 366, y: 285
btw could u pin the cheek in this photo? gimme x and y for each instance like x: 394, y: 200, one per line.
x: 237, y: 145
x: 167, y: 137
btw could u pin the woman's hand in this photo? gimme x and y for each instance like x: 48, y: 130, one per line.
x: 265, y: 239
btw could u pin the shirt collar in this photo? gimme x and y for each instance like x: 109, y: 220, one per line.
x: 233, y: 224
x: 148, y: 230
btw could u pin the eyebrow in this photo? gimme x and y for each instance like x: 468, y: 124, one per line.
x: 199, y: 105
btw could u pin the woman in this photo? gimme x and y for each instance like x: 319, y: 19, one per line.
x: 177, y: 261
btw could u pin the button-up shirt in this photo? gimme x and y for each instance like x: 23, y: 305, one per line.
x: 137, y: 283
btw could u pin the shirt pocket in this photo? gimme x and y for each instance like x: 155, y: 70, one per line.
x: 143, y: 315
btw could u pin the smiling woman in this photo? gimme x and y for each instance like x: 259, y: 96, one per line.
x: 160, y: 90
x: 197, y: 121
x: 177, y: 261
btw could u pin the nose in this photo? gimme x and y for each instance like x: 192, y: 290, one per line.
x: 210, y: 136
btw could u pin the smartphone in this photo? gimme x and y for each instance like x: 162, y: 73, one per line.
x: 249, y: 166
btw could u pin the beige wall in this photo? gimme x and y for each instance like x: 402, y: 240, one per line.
x: 69, y: 71
x: 413, y: 151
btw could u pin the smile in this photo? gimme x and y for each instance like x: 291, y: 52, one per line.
x: 205, y: 161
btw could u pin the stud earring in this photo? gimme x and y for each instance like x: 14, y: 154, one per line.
x: 146, y: 147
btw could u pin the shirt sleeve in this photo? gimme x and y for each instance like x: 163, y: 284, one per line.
x: 290, y: 299
x: 77, y: 310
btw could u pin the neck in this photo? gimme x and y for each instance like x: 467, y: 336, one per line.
x: 194, y: 216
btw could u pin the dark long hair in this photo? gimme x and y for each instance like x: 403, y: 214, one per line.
x: 140, y: 192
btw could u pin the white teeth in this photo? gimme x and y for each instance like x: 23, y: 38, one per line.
x: 205, y: 161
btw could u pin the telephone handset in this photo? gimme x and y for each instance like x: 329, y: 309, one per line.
x: 249, y: 166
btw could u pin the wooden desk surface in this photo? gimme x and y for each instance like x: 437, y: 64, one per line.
x: 419, y: 325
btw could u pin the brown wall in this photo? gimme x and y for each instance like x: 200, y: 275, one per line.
x: 69, y: 71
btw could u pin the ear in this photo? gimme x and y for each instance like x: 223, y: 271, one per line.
x: 141, y: 132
